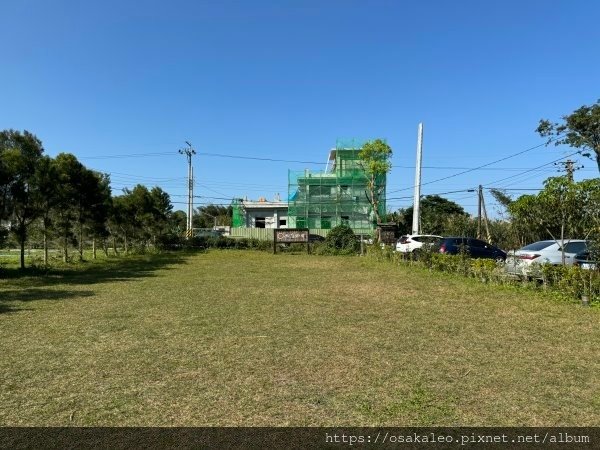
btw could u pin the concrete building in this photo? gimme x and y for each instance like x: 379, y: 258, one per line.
x: 260, y: 213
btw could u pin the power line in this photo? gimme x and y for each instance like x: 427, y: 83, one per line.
x: 543, y: 165
x: 130, y: 155
x: 478, y: 167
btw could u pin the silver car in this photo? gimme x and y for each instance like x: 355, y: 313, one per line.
x: 526, y: 261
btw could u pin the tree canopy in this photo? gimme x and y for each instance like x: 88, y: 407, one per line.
x: 67, y: 203
x: 436, y: 214
x: 580, y: 129
x: 375, y: 160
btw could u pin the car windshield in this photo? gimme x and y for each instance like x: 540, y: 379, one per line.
x: 538, y: 245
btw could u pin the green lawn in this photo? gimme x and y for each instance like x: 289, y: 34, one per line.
x: 249, y: 338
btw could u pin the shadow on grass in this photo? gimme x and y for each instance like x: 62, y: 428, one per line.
x: 8, y: 298
x: 31, y: 284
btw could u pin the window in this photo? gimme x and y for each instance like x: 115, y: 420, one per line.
x: 326, y: 223
x: 538, y: 246
x: 259, y: 222
x: 282, y: 222
x: 477, y: 243
x: 575, y: 247
x: 346, y: 220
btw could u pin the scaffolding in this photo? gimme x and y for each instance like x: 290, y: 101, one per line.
x: 238, y: 218
x: 337, y: 196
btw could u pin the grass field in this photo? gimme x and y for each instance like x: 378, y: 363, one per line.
x: 249, y: 338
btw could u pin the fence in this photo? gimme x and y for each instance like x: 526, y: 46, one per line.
x: 266, y: 234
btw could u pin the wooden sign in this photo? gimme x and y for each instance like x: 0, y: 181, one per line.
x: 290, y: 236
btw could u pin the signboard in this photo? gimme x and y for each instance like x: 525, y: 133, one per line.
x: 387, y: 233
x: 290, y: 236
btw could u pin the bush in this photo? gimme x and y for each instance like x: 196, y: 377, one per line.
x: 341, y: 240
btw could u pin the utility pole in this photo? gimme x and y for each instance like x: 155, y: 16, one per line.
x: 189, y: 151
x: 416, y: 223
x: 569, y: 167
x: 479, y: 197
x: 485, y: 218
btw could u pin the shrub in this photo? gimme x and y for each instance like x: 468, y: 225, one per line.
x: 340, y: 240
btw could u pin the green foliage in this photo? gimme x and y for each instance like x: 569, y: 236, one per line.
x: 375, y: 161
x: 580, y: 129
x: 209, y: 215
x: 340, y: 240
x: 562, y: 209
x: 19, y: 155
x: 438, y: 216
x: 567, y: 283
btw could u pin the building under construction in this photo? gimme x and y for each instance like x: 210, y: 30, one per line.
x: 339, y: 195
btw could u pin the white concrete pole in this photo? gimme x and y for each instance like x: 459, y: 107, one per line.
x: 416, y: 223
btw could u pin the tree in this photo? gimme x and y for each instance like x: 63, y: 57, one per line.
x: 210, y: 215
x: 46, y: 177
x: 580, y: 129
x: 95, y: 209
x: 177, y: 223
x: 437, y: 214
x: 375, y: 161
x: 70, y: 192
x: 161, y: 209
x: 20, y: 153
x: 563, y: 210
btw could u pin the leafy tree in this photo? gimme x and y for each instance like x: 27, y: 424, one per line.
x: 210, y: 215
x: 140, y: 216
x: 67, y: 209
x: 437, y: 214
x: 96, y: 207
x: 161, y: 209
x: 562, y: 210
x: 375, y: 161
x: 20, y: 153
x: 580, y: 129
x: 501, y: 197
x: 177, y: 223
x: 46, y: 177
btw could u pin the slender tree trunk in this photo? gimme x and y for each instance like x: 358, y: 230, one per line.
x: 80, y: 241
x: 114, y: 239
x: 22, y: 238
x: 105, y: 247
x: 126, y: 244
x: 45, y: 242
x: 94, y: 248
x: 562, y: 243
x: 65, y: 249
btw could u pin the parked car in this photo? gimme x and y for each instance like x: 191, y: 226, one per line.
x: 411, y: 242
x: 475, y: 248
x: 585, y: 261
x: 526, y: 261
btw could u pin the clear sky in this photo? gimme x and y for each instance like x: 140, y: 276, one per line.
x: 285, y: 79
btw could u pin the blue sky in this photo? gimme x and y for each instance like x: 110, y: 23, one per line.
x: 285, y: 79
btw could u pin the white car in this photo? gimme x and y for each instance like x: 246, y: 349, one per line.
x: 411, y: 242
x: 526, y: 261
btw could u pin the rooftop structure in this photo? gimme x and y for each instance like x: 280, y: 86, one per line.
x: 260, y: 213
